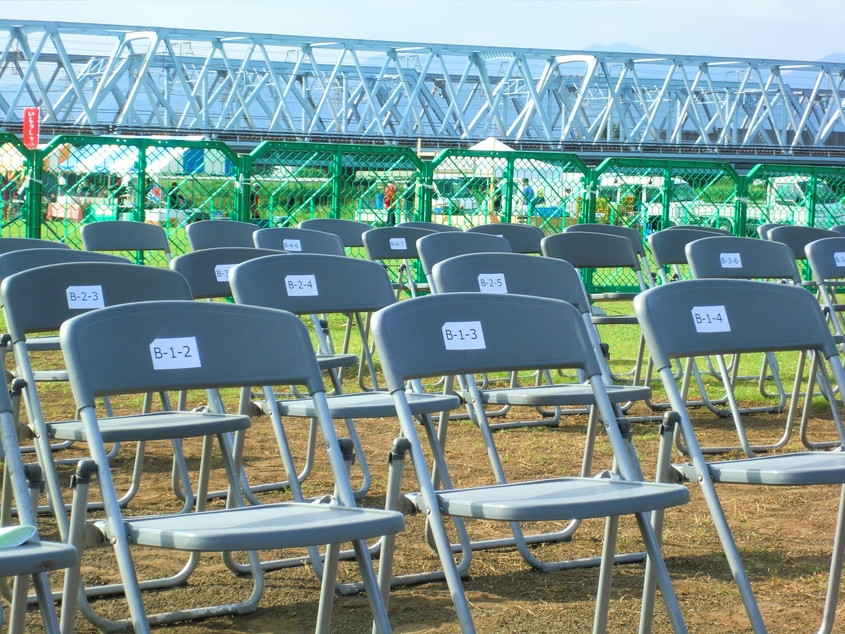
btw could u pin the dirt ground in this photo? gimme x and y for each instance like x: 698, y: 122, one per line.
x: 785, y: 536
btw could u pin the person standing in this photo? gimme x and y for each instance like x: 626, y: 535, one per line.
x: 389, y: 200
x: 528, y: 198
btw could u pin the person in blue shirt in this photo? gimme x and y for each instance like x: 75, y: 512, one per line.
x: 527, y: 197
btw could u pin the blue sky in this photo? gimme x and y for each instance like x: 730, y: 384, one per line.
x: 776, y: 29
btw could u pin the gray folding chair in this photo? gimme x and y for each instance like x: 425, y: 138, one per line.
x: 763, y: 229
x: 396, y: 248
x: 797, y: 239
x: 721, y: 317
x: 735, y: 257
x: 295, y: 240
x: 613, y: 255
x: 20, y: 260
x: 469, y: 333
x: 39, y: 300
x: 126, y: 236
x: 350, y: 231
x: 522, y: 238
x: 31, y: 557
x: 523, y: 274
x: 439, y: 246
x: 328, y: 284
x: 626, y: 232
x: 176, y: 345
x: 207, y: 270
x: 207, y: 234
x: 668, y: 250
x: 840, y: 229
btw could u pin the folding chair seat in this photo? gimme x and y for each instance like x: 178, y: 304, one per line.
x: 522, y: 238
x: 29, y: 556
x: 431, y: 226
x: 390, y: 245
x: 126, y: 236
x: 626, y: 232
x: 309, y: 284
x: 176, y: 345
x: 720, y: 317
x: 469, y: 333
x: 295, y: 240
x: 208, y: 234
x: 39, y: 300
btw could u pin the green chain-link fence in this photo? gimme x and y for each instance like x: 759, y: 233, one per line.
x: 470, y: 188
x: 52, y: 191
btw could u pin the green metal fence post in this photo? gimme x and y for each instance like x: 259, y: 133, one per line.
x: 34, y: 175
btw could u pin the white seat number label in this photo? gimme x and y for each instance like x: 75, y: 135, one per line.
x: 463, y: 335
x: 398, y: 244
x: 710, y: 319
x: 839, y: 258
x: 221, y: 272
x: 730, y: 260
x: 301, y: 285
x: 85, y: 297
x: 492, y: 283
x: 175, y: 353
x: 292, y: 245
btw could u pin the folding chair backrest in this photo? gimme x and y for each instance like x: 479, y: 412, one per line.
x: 592, y: 250
x: 742, y: 258
x: 515, y: 273
x: 398, y: 242
x: 477, y: 333
x: 207, y: 270
x: 522, y: 238
x: 431, y: 226
x: 176, y: 345
x: 797, y: 238
x: 207, y: 234
x: 439, y: 246
x: 295, y: 240
x: 40, y: 299
x: 827, y: 259
x: 763, y: 229
x: 349, y: 231
x: 716, y: 231
x: 840, y: 229
x: 7, y: 245
x: 616, y: 230
x: 723, y: 316
x: 312, y: 283
x: 121, y: 235
x: 17, y: 261
x: 668, y: 246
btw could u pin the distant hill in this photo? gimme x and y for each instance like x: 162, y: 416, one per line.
x: 835, y: 58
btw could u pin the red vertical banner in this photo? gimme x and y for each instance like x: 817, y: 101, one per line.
x: 31, y: 127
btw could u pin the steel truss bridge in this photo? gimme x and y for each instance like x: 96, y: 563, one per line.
x: 242, y: 87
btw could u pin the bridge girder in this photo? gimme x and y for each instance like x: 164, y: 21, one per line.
x: 126, y: 80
